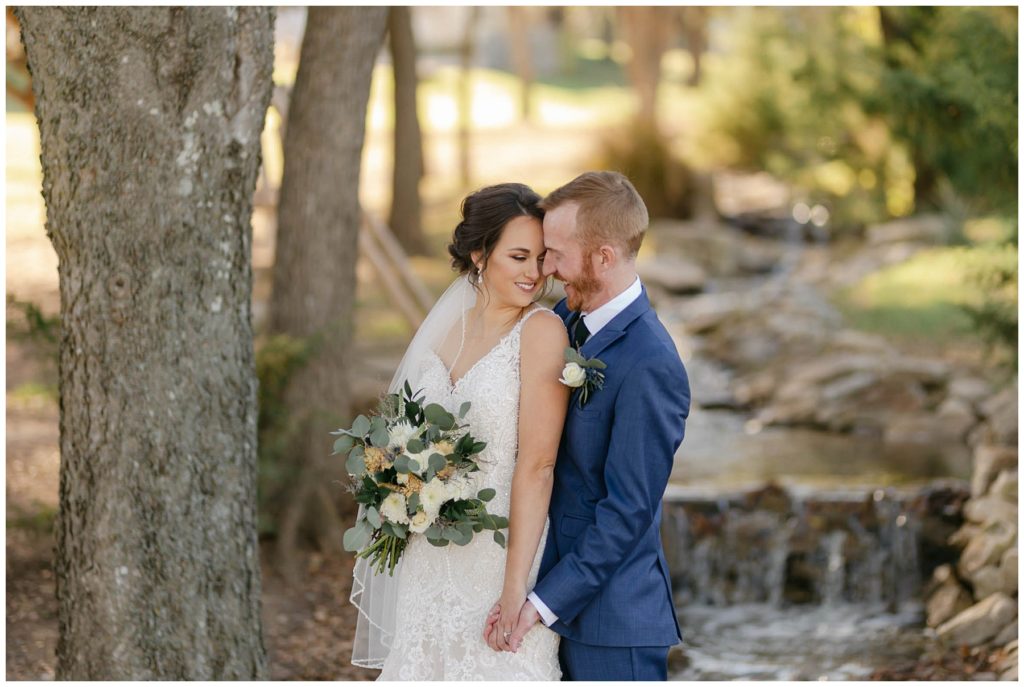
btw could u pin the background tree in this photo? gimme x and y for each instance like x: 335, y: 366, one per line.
x: 314, y: 279
x: 149, y: 125
x: 405, y: 218
x: 522, y: 61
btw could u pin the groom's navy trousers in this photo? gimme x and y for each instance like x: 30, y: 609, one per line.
x: 603, y: 571
x: 582, y: 662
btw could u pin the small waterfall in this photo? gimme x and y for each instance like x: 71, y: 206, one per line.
x: 834, y: 581
x: 770, y: 546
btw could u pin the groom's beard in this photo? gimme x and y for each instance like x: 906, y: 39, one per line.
x: 583, y: 287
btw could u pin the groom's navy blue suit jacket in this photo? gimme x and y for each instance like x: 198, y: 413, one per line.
x: 603, y: 571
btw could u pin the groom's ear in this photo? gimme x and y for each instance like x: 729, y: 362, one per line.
x: 607, y: 256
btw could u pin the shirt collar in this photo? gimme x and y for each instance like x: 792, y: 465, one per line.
x: 603, y: 315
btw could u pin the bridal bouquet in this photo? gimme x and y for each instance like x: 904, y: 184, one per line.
x: 412, y: 469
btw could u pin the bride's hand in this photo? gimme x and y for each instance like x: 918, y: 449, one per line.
x: 509, y: 606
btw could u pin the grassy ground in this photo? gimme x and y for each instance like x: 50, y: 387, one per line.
x: 919, y: 304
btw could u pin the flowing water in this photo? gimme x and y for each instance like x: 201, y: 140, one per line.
x: 793, y: 584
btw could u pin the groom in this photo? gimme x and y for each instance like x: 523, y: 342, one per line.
x: 604, y: 583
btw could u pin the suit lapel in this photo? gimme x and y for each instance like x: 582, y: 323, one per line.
x: 616, y: 329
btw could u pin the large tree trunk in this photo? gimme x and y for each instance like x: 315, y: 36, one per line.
x: 150, y: 123
x: 405, y: 218
x: 314, y: 269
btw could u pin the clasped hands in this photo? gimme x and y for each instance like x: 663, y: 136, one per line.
x: 508, y: 622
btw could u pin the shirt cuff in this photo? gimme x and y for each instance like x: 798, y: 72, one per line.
x: 546, y: 615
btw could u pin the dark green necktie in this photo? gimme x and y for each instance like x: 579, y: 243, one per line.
x: 580, y: 333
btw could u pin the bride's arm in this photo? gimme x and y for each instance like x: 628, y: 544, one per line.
x: 543, y: 402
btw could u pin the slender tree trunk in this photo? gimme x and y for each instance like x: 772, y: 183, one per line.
x: 519, y: 38
x: 647, y: 31
x: 465, y: 95
x: 150, y: 123
x: 314, y: 269
x: 405, y: 218
x: 695, y: 28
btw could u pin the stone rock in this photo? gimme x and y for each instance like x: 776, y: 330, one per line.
x: 1005, y: 486
x: 947, y: 601
x: 985, y: 549
x: 974, y: 390
x: 1001, y: 412
x: 989, y: 509
x: 963, y: 536
x: 979, y: 623
x: 1008, y: 570
x: 675, y: 275
x: 989, y: 461
x: 678, y: 661
x: 958, y: 416
x: 920, y: 228
x: 920, y: 428
x: 1007, y: 634
x: 987, y: 582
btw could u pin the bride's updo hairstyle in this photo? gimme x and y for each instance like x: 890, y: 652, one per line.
x: 484, y: 215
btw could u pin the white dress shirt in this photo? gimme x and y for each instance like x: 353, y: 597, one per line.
x: 594, y: 321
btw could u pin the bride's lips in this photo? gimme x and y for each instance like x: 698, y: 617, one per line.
x: 528, y: 287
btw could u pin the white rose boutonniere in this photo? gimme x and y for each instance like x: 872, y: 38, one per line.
x: 582, y: 373
x: 573, y: 375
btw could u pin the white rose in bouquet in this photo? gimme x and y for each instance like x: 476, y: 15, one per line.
x: 420, y: 522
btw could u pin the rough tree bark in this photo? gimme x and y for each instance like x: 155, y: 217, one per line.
x: 149, y: 124
x: 314, y: 268
x: 405, y: 217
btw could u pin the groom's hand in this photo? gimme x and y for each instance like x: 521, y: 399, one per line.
x: 528, y: 617
x: 489, y: 625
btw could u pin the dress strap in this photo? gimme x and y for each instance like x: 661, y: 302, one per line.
x: 520, y: 323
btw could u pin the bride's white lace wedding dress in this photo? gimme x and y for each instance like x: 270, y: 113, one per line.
x: 445, y: 593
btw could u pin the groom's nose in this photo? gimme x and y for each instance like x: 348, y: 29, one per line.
x: 548, y: 267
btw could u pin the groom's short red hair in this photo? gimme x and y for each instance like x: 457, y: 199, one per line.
x: 610, y: 210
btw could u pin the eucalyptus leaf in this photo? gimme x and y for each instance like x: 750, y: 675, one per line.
x: 479, y: 446
x: 438, y: 542
x: 464, y: 408
x: 432, y: 532
x: 500, y: 539
x: 399, y: 530
x: 361, y: 426
x: 344, y: 444
x: 373, y: 517
x: 486, y: 494
x: 413, y: 502
x: 437, y: 415
x: 414, y: 446
x: 380, y: 437
x: 401, y: 464
x: 358, y: 536
x: 436, y: 462
x: 356, y: 464
x: 573, y: 356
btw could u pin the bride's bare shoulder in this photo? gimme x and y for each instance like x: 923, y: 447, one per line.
x: 544, y: 330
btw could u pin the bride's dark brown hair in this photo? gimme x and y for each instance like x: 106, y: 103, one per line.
x: 484, y: 215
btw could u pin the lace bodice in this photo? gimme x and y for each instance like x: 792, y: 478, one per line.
x: 445, y: 592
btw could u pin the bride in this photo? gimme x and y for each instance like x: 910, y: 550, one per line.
x: 486, y: 341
